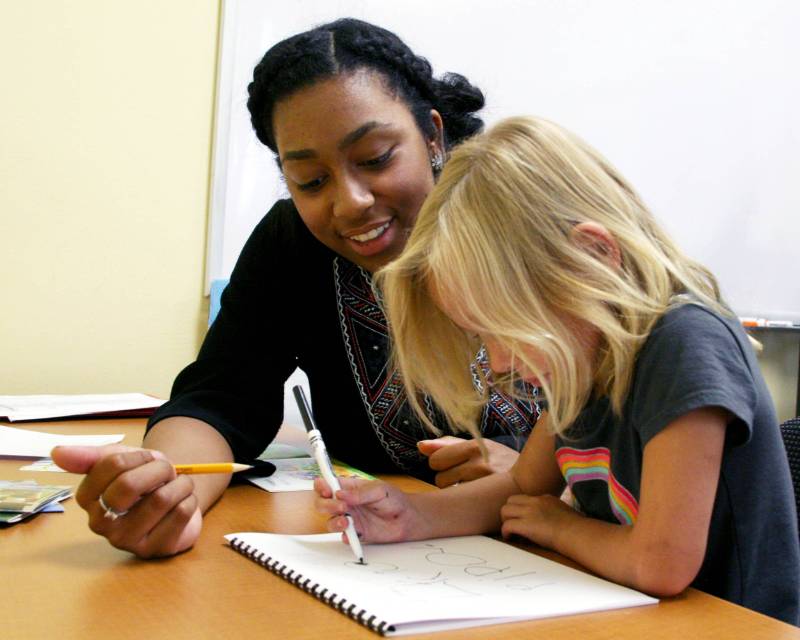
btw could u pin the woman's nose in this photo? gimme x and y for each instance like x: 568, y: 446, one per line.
x: 353, y: 197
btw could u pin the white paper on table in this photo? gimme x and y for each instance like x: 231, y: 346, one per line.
x: 291, y: 474
x: 23, y: 443
x: 42, y: 464
x: 281, y: 451
x: 297, y: 474
x: 433, y: 585
x: 40, y: 407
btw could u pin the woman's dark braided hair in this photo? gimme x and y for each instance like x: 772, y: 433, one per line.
x: 347, y: 45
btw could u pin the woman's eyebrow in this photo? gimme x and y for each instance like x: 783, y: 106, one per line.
x: 348, y: 140
x: 356, y: 135
x: 300, y: 154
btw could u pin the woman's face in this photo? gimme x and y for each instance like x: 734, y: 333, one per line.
x: 356, y: 164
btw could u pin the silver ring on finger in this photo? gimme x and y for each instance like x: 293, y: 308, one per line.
x: 110, y: 514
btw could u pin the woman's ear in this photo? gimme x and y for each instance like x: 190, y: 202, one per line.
x: 597, y: 240
x: 437, y: 140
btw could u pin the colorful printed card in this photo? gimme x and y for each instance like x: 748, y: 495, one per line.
x: 297, y: 474
x: 18, y: 500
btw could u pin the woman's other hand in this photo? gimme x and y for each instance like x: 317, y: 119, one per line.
x: 457, y: 460
x: 152, y: 511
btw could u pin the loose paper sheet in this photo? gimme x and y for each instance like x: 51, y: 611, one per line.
x: 43, y: 464
x: 297, y: 474
x: 40, y: 407
x: 23, y: 443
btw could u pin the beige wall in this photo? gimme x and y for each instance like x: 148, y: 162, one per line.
x: 779, y: 363
x: 105, y: 130
x: 105, y: 133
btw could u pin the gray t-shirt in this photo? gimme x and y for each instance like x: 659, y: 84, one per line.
x: 696, y: 358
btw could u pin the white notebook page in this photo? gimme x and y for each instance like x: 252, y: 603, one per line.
x: 432, y: 585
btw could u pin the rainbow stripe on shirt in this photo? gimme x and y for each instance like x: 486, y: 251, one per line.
x: 580, y: 465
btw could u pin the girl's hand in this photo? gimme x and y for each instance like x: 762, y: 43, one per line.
x: 459, y: 460
x: 537, y: 518
x: 158, y: 513
x: 380, y: 511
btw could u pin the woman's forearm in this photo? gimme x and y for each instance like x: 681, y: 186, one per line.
x: 186, y: 440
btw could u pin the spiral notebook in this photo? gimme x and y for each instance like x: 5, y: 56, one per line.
x: 433, y: 585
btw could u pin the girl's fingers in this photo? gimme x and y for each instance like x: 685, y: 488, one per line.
x: 354, y: 491
x: 362, y: 492
x: 330, y: 506
x: 321, y: 488
x: 337, y: 524
x: 511, y: 528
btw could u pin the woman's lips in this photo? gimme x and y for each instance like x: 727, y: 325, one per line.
x: 375, y: 240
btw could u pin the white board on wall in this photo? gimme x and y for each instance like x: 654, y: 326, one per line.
x: 697, y: 102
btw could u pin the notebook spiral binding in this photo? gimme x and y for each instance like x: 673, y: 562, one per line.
x: 320, y: 593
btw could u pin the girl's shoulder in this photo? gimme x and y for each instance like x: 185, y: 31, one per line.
x: 692, y: 336
x: 694, y: 357
x: 691, y: 324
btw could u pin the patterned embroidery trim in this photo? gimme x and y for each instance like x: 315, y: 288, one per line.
x: 502, y: 413
x: 385, y: 400
x: 392, y: 392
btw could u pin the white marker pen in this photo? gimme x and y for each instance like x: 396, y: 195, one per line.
x: 324, y: 463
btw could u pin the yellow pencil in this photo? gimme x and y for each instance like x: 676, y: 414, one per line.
x: 212, y: 467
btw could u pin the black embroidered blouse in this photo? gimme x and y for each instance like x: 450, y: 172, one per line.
x: 293, y: 302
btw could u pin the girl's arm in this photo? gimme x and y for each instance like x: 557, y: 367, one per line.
x: 383, y: 513
x: 663, y: 551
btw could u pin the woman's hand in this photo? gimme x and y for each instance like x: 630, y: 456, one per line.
x: 537, y: 518
x: 380, y: 511
x: 153, y: 511
x: 458, y: 460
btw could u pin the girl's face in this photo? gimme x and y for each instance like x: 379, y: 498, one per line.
x: 356, y: 165
x: 503, y: 360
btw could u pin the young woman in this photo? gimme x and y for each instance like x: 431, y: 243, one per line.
x: 360, y: 129
x: 659, y: 420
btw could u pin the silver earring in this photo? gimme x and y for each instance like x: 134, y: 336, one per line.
x: 437, y: 163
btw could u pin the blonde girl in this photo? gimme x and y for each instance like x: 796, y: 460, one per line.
x: 534, y: 248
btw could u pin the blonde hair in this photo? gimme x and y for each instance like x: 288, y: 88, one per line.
x: 495, y: 239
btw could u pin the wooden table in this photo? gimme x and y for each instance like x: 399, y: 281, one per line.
x: 59, y: 580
